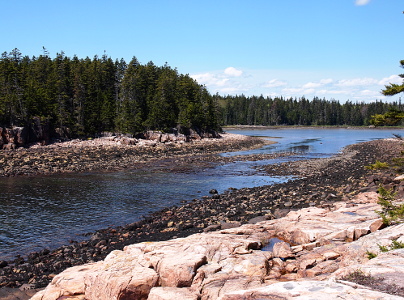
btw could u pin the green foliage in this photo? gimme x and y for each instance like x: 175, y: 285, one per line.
x: 398, y: 163
x: 391, y: 212
x: 269, y: 111
x: 383, y: 248
x: 371, y: 255
x: 393, y: 89
x: 394, y: 245
x: 88, y: 96
x: 390, y: 118
x: 378, y: 166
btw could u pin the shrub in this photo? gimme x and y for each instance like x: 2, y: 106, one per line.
x: 371, y: 255
x: 394, y: 245
x: 390, y: 213
x: 378, y: 165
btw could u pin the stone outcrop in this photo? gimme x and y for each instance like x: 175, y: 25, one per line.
x: 36, y: 132
x: 302, y: 255
x: 39, y: 132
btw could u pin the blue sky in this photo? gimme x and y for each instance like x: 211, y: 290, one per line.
x: 333, y: 49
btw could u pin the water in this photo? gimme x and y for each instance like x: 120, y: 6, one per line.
x: 48, y: 211
x: 313, y: 142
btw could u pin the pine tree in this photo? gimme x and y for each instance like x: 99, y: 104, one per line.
x: 393, y: 89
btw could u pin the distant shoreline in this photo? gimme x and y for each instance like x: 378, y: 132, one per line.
x: 111, y: 154
x: 260, y: 127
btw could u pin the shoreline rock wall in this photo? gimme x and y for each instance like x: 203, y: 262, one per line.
x: 39, y: 133
x: 276, y: 258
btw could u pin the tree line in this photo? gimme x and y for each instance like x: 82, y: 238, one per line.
x: 89, y: 96
x: 236, y: 110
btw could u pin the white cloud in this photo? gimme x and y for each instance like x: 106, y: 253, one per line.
x: 391, y: 79
x: 210, y: 79
x: 221, y: 82
x: 292, y: 91
x: 231, y: 90
x: 312, y: 85
x: 228, y: 81
x: 368, y: 93
x: 322, y: 82
x: 298, y: 91
x: 361, y: 2
x: 250, y: 83
x: 357, y: 82
x: 274, y: 83
x: 205, y: 77
x: 332, y: 92
x: 230, y: 71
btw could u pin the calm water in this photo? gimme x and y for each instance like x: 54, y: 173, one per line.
x: 314, y: 141
x: 48, y: 211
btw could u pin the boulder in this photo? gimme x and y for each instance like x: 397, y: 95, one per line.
x: 20, y: 136
x: 9, y: 146
x: 175, y: 272
x: 153, y: 135
x: 62, y: 133
x: 103, y: 280
x: 8, y: 135
x: 133, y: 283
x: 1, y: 138
x: 282, y: 250
x: 39, y: 132
x: 193, y: 135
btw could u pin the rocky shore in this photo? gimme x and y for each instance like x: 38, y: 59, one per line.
x: 304, y: 255
x: 321, y: 183
x: 114, y: 153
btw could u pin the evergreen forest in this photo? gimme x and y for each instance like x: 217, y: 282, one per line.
x: 90, y: 96
x: 315, y: 112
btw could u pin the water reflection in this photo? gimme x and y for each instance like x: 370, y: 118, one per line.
x: 300, y: 148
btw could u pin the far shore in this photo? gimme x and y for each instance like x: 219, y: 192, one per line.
x: 113, y: 153
x: 260, y: 127
x: 119, y: 152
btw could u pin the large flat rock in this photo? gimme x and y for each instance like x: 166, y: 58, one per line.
x: 312, y: 249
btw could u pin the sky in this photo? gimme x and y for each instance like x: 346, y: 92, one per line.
x: 332, y: 49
